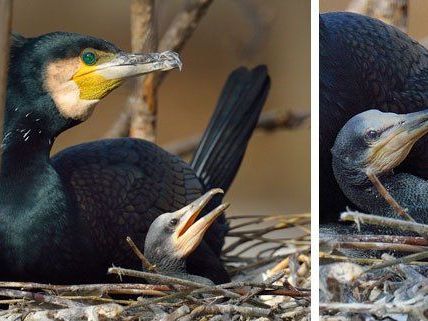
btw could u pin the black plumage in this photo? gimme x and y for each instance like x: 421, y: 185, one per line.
x: 65, y: 219
x: 366, y: 64
x: 378, y: 142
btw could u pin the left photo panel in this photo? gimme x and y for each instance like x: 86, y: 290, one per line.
x: 155, y: 160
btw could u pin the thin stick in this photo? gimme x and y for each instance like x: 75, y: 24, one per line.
x: 387, y: 196
x: 147, y: 265
x: 405, y: 259
x: 176, y: 36
x: 396, y: 239
x: 154, y: 277
x: 100, y: 288
x: 5, y: 28
x: 269, y: 121
x: 379, y: 246
x: 38, y: 297
x: 357, y: 217
x: 360, y: 260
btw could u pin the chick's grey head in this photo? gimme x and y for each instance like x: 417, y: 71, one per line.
x: 172, y: 237
x: 159, y: 247
x: 376, y: 142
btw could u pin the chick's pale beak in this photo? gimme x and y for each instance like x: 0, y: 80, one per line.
x: 392, y: 149
x: 126, y: 65
x: 189, y: 234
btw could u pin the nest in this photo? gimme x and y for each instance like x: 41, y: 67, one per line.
x: 355, y: 284
x: 268, y: 258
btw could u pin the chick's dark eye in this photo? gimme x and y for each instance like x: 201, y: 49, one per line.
x: 89, y: 58
x: 173, y: 222
x: 371, y: 134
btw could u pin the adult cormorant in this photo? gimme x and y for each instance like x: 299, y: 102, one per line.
x: 172, y: 237
x: 377, y: 142
x: 366, y: 64
x: 65, y: 219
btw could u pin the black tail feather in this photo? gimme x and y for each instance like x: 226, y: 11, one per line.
x: 223, y: 145
x: 220, y: 152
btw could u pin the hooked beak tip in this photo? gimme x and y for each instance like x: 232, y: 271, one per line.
x: 172, y: 58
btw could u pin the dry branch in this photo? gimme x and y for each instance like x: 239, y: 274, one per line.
x: 269, y: 121
x: 5, y: 28
x: 144, y: 101
x: 407, y: 226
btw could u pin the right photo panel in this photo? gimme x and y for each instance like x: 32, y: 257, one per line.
x: 373, y: 118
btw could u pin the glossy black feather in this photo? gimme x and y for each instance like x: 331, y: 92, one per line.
x: 365, y: 64
x: 65, y: 219
x: 219, y: 154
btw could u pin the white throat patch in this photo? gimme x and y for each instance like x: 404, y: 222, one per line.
x: 64, y: 91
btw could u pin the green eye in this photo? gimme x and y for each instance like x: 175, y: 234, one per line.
x: 89, y: 58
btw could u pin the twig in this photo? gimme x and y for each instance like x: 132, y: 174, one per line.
x: 388, y: 197
x: 176, y: 36
x: 360, y: 260
x: 396, y: 239
x: 147, y: 265
x: 87, y: 288
x: 5, y: 28
x: 269, y: 121
x: 379, y: 309
x: 39, y: 297
x: 228, y: 309
x: 108, y: 311
x: 182, y: 28
x: 404, y: 259
x: 357, y: 217
x: 162, y: 279
x: 379, y: 246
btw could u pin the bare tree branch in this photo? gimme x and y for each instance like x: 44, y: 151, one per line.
x: 269, y: 121
x: 142, y: 103
x: 5, y: 27
x: 182, y: 28
x: 176, y: 36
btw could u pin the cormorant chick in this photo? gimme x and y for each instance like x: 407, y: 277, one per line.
x: 172, y: 237
x: 378, y: 142
x: 366, y: 64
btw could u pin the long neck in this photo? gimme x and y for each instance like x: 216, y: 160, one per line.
x: 25, y: 162
x: 170, y: 265
x: 31, y: 124
x: 408, y: 190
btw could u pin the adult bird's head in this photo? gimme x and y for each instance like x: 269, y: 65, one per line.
x: 377, y: 142
x: 64, y: 75
x: 172, y: 237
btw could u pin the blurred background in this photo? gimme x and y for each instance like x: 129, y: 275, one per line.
x: 275, y: 175
x: 417, y: 23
